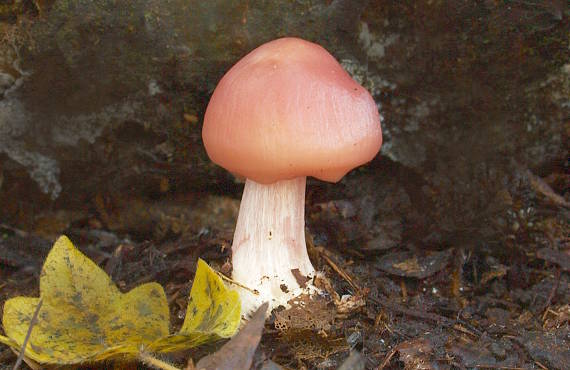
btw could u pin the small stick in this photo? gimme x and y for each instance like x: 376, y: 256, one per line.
x: 155, y: 362
x: 464, y: 330
x: 551, y: 294
x: 18, y: 232
x: 224, y: 277
x: 389, y: 356
x: 404, y: 290
x: 28, y: 334
x: 417, y: 314
x: 190, y: 365
x: 340, y: 271
x: 466, y: 325
x: 387, y: 359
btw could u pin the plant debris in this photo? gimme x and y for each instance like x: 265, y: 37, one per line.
x: 416, y: 265
x: 306, y: 313
x: 237, y: 354
x: 85, y: 318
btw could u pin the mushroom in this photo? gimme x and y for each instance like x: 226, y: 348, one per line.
x: 286, y: 111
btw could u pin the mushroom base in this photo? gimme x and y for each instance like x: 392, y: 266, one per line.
x: 269, y: 254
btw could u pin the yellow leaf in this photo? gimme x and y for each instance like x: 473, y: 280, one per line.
x: 213, y: 312
x: 85, y: 318
x: 210, y: 304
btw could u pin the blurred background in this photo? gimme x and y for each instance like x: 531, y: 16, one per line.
x: 103, y: 102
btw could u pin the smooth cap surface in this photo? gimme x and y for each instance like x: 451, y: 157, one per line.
x: 288, y: 109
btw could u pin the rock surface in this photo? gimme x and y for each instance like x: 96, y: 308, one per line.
x: 103, y: 97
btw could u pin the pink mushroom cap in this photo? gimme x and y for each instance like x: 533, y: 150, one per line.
x: 288, y: 109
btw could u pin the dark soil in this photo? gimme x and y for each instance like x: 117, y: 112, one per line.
x: 474, y: 304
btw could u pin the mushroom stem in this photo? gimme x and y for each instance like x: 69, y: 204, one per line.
x: 269, y: 242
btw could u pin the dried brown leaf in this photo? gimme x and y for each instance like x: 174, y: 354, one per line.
x: 238, y: 353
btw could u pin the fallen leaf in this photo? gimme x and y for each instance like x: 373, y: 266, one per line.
x: 84, y: 315
x: 213, y: 312
x: 85, y: 318
x: 238, y: 353
x: 409, y: 264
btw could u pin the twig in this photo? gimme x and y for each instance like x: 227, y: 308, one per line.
x: 18, y: 232
x: 389, y: 356
x: 404, y: 290
x: 339, y: 270
x: 466, y: 325
x: 152, y: 361
x: 224, y: 277
x: 28, y: 334
x: 412, y: 313
x: 551, y: 294
x: 464, y: 330
x: 190, y: 365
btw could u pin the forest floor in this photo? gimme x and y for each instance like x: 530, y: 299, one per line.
x: 503, y: 305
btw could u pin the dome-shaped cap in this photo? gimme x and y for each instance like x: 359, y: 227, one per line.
x: 287, y: 110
